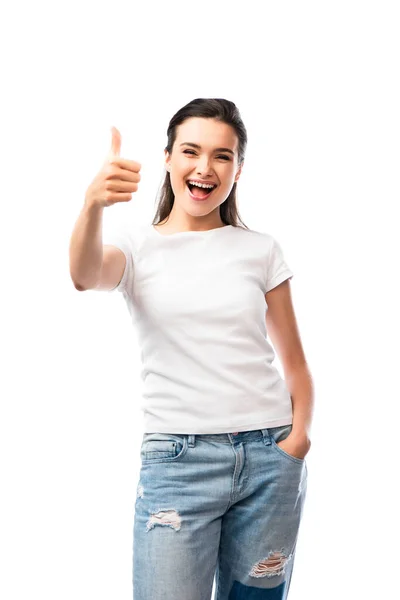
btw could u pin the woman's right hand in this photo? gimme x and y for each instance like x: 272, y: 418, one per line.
x: 117, y: 179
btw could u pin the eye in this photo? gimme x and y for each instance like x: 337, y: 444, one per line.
x: 219, y: 156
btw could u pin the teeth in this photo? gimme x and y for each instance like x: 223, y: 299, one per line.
x: 203, y: 185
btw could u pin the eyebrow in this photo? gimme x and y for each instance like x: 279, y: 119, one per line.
x: 199, y: 147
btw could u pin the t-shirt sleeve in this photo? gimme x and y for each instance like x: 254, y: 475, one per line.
x: 121, y: 238
x: 277, y: 268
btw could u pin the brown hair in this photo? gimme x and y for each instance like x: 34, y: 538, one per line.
x: 224, y: 111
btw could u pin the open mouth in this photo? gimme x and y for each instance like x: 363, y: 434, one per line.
x: 199, y: 193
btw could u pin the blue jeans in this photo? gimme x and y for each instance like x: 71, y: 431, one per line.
x: 227, y: 505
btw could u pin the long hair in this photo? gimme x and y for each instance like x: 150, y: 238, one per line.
x: 224, y: 111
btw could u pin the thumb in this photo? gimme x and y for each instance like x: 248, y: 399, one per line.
x: 115, y: 149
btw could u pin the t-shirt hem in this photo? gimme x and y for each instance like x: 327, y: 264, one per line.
x: 224, y: 429
x: 287, y: 274
x: 121, y: 286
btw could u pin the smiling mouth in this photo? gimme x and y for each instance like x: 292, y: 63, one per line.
x: 199, y: 193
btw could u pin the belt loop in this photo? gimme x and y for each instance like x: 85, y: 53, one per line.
x: 191, y: 440
x: 266, y: 436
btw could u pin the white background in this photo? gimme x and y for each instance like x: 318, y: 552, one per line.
x: 317, y: 85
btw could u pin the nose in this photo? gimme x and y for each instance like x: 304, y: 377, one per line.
x: 203, y: 166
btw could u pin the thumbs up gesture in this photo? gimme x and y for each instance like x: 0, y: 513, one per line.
x: 117, y: 179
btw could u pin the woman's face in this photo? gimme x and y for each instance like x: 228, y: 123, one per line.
x: 206, y: 162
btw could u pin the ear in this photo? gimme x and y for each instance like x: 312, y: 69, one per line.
x: 238, y: 172
x: 167, y: 160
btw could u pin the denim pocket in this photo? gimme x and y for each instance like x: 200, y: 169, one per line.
x: 278, y: 434
x: 163, y: 447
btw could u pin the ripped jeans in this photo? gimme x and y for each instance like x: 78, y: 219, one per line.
x: 217, y: 509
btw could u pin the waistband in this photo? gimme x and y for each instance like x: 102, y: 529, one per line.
x: 226, y: 438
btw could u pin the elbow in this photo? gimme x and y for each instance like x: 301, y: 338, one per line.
x: 78, y: 286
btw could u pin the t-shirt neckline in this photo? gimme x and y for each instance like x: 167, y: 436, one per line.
x: 203, y: 232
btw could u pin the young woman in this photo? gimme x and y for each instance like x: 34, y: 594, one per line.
x: 223, y: 472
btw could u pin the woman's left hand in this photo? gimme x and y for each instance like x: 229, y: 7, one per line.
x: 296, y: 445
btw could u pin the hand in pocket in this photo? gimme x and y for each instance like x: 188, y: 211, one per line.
x: 295, y: 446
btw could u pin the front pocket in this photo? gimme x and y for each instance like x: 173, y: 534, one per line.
x: 158, y: 447
x: 278, y: 434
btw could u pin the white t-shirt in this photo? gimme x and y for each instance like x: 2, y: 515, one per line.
x: 197, y: 299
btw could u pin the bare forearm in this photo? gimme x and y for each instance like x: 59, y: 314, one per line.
x: 301, y: 388
x: 86, y: 247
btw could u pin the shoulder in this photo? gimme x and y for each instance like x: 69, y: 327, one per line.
x: 259, y: 239
x: 127, y: 236
x: 135, y: 234
x: 253, y: 233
